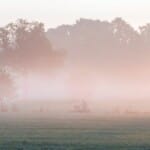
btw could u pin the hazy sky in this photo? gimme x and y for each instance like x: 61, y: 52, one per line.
x: 56, y: 12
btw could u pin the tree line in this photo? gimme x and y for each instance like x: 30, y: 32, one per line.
x: 103, y: 41
x: 24, y: 48
x: 27, y: 47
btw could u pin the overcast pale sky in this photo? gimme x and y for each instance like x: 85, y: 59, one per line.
x: 56, y: 12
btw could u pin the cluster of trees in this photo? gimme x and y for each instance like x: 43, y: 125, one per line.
x: 25, y: 48
x: 91, y: 39
x: 99, y: 50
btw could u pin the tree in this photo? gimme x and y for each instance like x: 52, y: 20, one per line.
x: 145, y: 35
x: 4, y: 40
x: 125, y: 35
x: 26, y: 47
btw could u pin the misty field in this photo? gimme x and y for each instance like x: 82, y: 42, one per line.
x: 74, y: 134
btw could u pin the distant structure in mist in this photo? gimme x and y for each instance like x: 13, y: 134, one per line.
x: 81, y: 107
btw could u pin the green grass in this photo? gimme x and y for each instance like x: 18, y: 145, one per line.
x: 74, y: 134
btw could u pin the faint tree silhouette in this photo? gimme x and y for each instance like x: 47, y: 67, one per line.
x: 7, y: 89
x: 25, y: 46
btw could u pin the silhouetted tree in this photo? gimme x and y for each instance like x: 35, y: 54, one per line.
x: 100, y: 42
x: 123, y: 32
x: 25, y: 46
x: 145, y: 35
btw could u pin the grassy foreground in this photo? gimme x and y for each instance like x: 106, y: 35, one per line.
x: 74, y: 134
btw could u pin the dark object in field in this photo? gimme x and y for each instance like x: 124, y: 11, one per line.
x: 81, y: 108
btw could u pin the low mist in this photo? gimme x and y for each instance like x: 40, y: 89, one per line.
x: 92, y: 67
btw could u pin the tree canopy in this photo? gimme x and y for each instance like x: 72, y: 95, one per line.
x: 102, y: 40
x: 25, y: 46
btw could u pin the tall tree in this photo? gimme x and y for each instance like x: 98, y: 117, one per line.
x: 125, y: 35
x: 25, y: 46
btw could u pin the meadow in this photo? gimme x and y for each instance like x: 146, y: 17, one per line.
x: 43, y: 133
